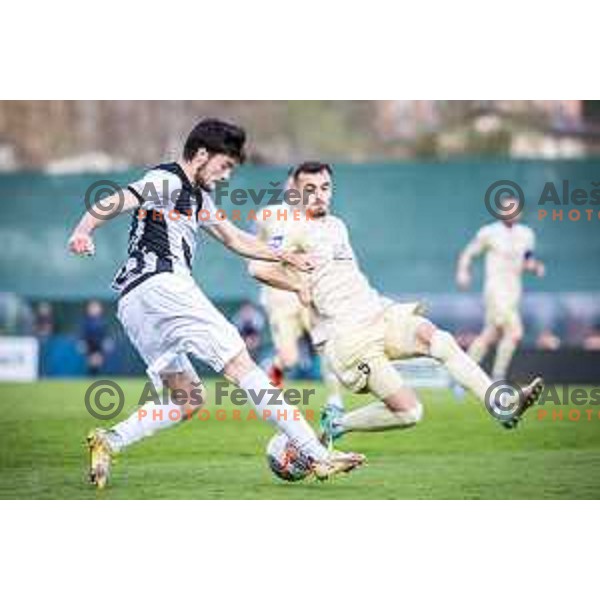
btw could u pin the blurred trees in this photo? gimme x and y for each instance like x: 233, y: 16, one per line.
x: 142, y: 132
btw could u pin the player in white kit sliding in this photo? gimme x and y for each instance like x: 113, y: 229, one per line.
x: 509, y: 252
x: 164, y: 312
x: 360, y: 330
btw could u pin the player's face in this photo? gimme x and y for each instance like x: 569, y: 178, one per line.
x: 514, y: 219
x: 214, y: 168
x: 315, y: 190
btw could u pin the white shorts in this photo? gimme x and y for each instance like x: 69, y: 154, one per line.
x: 502, y: 311
x: 168, y: 317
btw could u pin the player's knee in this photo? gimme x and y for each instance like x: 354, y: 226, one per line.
x: 404, y: 399
x: 425, y: 331
x: 489, y: 336
x: 195, y: 399
x: 186, y: 392
x: 410, y: 416
x: 443, y: 345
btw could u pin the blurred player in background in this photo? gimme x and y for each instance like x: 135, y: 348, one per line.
x: 509, y: 252
x: 250, y: 322
x: 167, y: 316
x: 361, y: 331
x: 289, y: 318
x: 94, y: 336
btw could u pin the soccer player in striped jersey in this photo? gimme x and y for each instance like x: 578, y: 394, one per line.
x: 165, y: 313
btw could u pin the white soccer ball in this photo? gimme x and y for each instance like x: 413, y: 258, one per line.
x: 285, y: 460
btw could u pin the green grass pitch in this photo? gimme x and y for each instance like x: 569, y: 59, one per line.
x: 458, y: 451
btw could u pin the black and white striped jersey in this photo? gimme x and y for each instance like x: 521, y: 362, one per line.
x: 163, y: 232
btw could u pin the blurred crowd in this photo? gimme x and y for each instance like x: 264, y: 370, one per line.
x: 94, y: 340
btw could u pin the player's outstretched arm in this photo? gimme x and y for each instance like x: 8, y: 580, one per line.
x: 250, y: 246
x: 275, y: 275
x: 81, y: 241
x: 463, y: 268
x: 463, y: 272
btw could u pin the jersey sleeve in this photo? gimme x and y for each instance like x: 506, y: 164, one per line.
x: 478, y: 244
x: 475, y: 247
x: 481, y: 240
x: 158, y: 187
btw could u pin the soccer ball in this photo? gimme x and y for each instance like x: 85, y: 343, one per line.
x: 285, y: 460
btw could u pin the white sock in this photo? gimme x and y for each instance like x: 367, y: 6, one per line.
x: 378, y: 417
x: 283, y: 415
x: 459, y: 364
x: 504, y: 353
x: 144, y: 422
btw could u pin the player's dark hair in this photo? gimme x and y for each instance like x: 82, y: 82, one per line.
x: 218, y: 137
x: 311, y: 167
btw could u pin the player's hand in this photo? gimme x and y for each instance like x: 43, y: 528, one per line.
x: 463, y: 280
x: 540, y: 269
x: 298, y: 260
x: 82, y: 244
